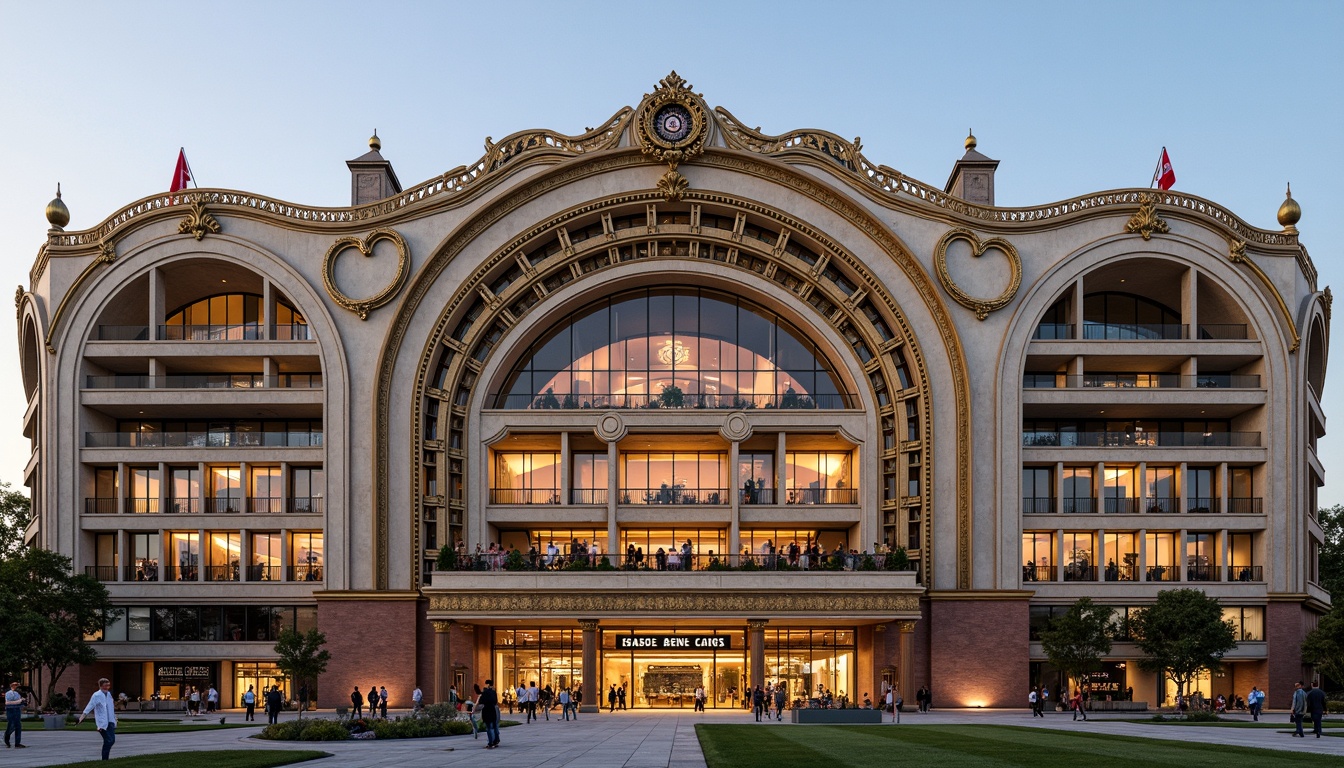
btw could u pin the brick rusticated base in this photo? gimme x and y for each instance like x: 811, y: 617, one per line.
x: 372, y: 642
x: 980, y: 652
x: 1285, y: 626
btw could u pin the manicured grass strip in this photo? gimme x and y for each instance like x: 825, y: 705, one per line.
x: 968, y: 746
x: 147, y: 726
x: 220, y: 758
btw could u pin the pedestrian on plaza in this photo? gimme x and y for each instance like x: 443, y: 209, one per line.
x: 471, y: 711
x: 488, y: 705
x: 1076, y: 704
x: 547, y: 700
x: 418, y: 698
x: 212, y: 699
x: 1316, y: 707
x: 611, y: 698
x: 1033, y: 700
x: 564, y: 703
x: 1299, y: 708
x: 758, y: 702
x: 356, y: 703
x: 577, y: 696
x: 104, y: 709
x: 303, y: 697
x: 372, y: 698
x: 250, y: 703
x: 699, y: 703
x: 780, y: 699
x: 533, y: 697
x: 928, y: 698
x: 1255, y: 700
x: 275, y: 701
x: 14, y: 715
x: 382, y: 701
x: 620, y: 697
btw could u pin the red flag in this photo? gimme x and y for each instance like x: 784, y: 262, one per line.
x: 1164, y: 177
x: 182, y: 174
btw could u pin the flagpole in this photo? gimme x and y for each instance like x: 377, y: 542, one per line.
x: 192, y: 174
x: 1157, y: 172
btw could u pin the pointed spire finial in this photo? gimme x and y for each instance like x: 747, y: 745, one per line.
x: 970, y: 140
x: 1290, y: 212
x: 57, y: 214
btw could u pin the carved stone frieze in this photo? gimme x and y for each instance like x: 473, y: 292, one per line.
x: 531, y: 603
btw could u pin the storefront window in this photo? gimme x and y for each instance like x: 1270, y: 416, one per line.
x: 258, y: 676
x: 813, y: 665
x: 654, y: 548
x: 757, y: 541
x: 662, y: 668
x: 548, y: 657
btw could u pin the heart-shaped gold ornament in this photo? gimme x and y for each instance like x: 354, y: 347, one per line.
x: 981, y: 307
x: 362, y: 307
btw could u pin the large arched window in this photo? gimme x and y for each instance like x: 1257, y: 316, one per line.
x: 232, y: 316
x: 684, y: 348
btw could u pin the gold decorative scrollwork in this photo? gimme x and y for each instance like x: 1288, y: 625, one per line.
x: 1236, y: 254
x: 1145, y: 221
x: 981, y: 307
x: 18, y: 301
x: 442, y: 627
x: 675, y: 92
x: 673, y: 185
x: 1327, y: 301
x: 199, y: 222
x: 362, y: 307
x: 588, y: 625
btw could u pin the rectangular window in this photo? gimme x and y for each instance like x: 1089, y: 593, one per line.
x: 144, y: 557
x: 144, y: 490
x: 1120, y: 491
x: 1078, y: 492
x: 819, y: 478
x: 184, y: 490
x: 1162, y: 490
x: 526, y: 478
x: 1038, y: 555
x: 1079, y: 561
x: 106, y: 556
x: 1161, y: 565
x: 226, y: 490
x: 265, y: 490
x: 757, y: 473
x: 1200, y: 558
x: 1199, y: 491
x: 184, y: 555
x: 1122, y: 557
x: 674, y: 478
x: 307, y: 487
x: 306, y: 556
x: 1038, y: 490
x: 1249, y: 621
x: 592, y: 474
x: 222, y: 556
x: 1243, y: 564
x: 266, y: 559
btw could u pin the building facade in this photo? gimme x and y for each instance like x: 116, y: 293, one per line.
x: 685, y: 404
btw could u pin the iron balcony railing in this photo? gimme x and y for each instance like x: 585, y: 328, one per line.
x: 756, y: 495
x: 1080, y: 573
x: 1139, y: 439
x: 588, y: 496
x: 305, y: 505
x: 1201, y: 505
x: 239, y: 332
x: 265, y: 572
x: 674, y: 402
x: 674, y: 560
x: 147, y: 570
x: 1202, y: 573
x: 1037, y: 505
x: 1053, y: 332
x: 221, y: 573
x: 1161, y: 573
x: 222, y: 505
x: 1038, y: 573
x: 1159, y: 505
x: 304, y: 572
x: 181, y: 573
x: 524, y: 495
x: 1140, y: 381
x: 101, y: 572
x: 1245, y: 573
x: 1079, y: 505
x: 1246, y: 505
x: 1114, y: 505
x: 675, y: 494
x: 100, y: 505
x: 205, y: 439
x: 1135, y: 331
x: 1115, y: 572
x: 206, y: 381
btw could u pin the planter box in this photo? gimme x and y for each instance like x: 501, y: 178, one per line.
x: 831, y: 716
x: 53, y: 722
x: 1118, y: 706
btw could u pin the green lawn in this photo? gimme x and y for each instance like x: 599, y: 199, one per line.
x: 221, y: 758
x: 967, y: 746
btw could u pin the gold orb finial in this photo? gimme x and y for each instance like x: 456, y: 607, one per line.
x: 970, y: 140
x: 1290, y: 212
x: 57, y: 214
x: 375, y: 143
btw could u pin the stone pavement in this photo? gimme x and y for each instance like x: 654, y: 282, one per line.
x: 634, y: 739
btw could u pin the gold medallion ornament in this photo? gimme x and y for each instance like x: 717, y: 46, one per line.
x: 671, y: 127
x: 362, y: 307
x: 981, y: 307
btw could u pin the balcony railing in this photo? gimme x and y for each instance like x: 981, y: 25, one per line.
x: 756, y: 495
x: 1201, y: 505
x: 524, y: 495
x: 266, y: 505
x: 1139, y: 439
x: 305, y: 505
x: 588, y: 496
x: 674, y: 561
x: 1038, y: 573
x: 1053, y: 331
x: 1113, y: 505
x: 1160, y: 573
x: 1245, y: 573
x: 221, y: 573
x: 100, y: 505
x: 681, y: 401
x: 243, y: 332
x: 1037, y: 505
x: 1115, y: 572
x: 206, y: 381
x: 184, y: 506
x: 1134, y: 331
x: 1202, y: 573
x: 101, y: 572
x: 1158, y: 505
x: 1140, y: 381
x: 1231, y: 331
x: 180, y: 573
x: 265, y: 572
x: 1245, y: 505
x: 675, y: 495
x: 147, y: 570
x: 224, y: 505
x: 304, y: 572
x: 1079, y: 505
x: 208, y: 439
x: 1080, y: 573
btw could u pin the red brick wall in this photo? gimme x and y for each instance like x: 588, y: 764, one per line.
x: 1285, y: 626
x: 372, y: 642
x: 980, y: 652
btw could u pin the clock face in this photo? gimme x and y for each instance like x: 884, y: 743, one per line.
x: 672, y: 123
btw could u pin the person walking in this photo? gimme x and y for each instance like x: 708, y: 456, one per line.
x: 620, y: 697
x: 14, y: 715
x: 488, y: 705
x: 611, y: 698
x: 275, y: 701
x: 356, y: 703
x: 781, y: 697
x: 212, y: 699
x: 1255, y: 701
x: 471, y: 711
x: 533, y: 697
x: 418, y: 698
x: 1316, y: 707
x: 382, y: 701
x: 565, y: 701
x: 104, y: 709
x: 372, y: 698
x: 758, y: 702
x: 250, y: 703
x: 1032, y: 700
x: 1076, y: 704
x: 1299, y: 708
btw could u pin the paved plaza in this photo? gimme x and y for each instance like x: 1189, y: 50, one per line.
x: 643, y: 739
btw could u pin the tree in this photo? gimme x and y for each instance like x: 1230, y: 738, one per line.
x: 301, y: 656
x: 1182, y: 635
x: 1332, y: 551
x: 1324, y: 645
x: 1076, y: 641
x: 14, y: 513
x: 47, y: 611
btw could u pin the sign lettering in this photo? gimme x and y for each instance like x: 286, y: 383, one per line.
x: 674, y: 642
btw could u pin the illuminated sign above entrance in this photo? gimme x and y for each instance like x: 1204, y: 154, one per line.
x: 673, y: 642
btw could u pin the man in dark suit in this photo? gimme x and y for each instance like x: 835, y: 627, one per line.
x: 487, y: 706
x: 275, y: 701
x: 1316, y: 707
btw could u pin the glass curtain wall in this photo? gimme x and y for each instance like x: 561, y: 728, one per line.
x: 547, y: 657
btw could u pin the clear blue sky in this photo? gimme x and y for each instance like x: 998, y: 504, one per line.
x: 273, y: 98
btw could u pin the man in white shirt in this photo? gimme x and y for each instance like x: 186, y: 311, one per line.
x: 104, y: 710
x: 212, y: 700
x: 14, y: 715
x: 417, y: 699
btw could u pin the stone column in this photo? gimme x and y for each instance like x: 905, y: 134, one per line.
x: 443, y: 665
x: 906, y: 652
x: 756, y: 645
x: 591, y: 690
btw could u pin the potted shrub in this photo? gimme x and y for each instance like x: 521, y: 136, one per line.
x: 55, y: 712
